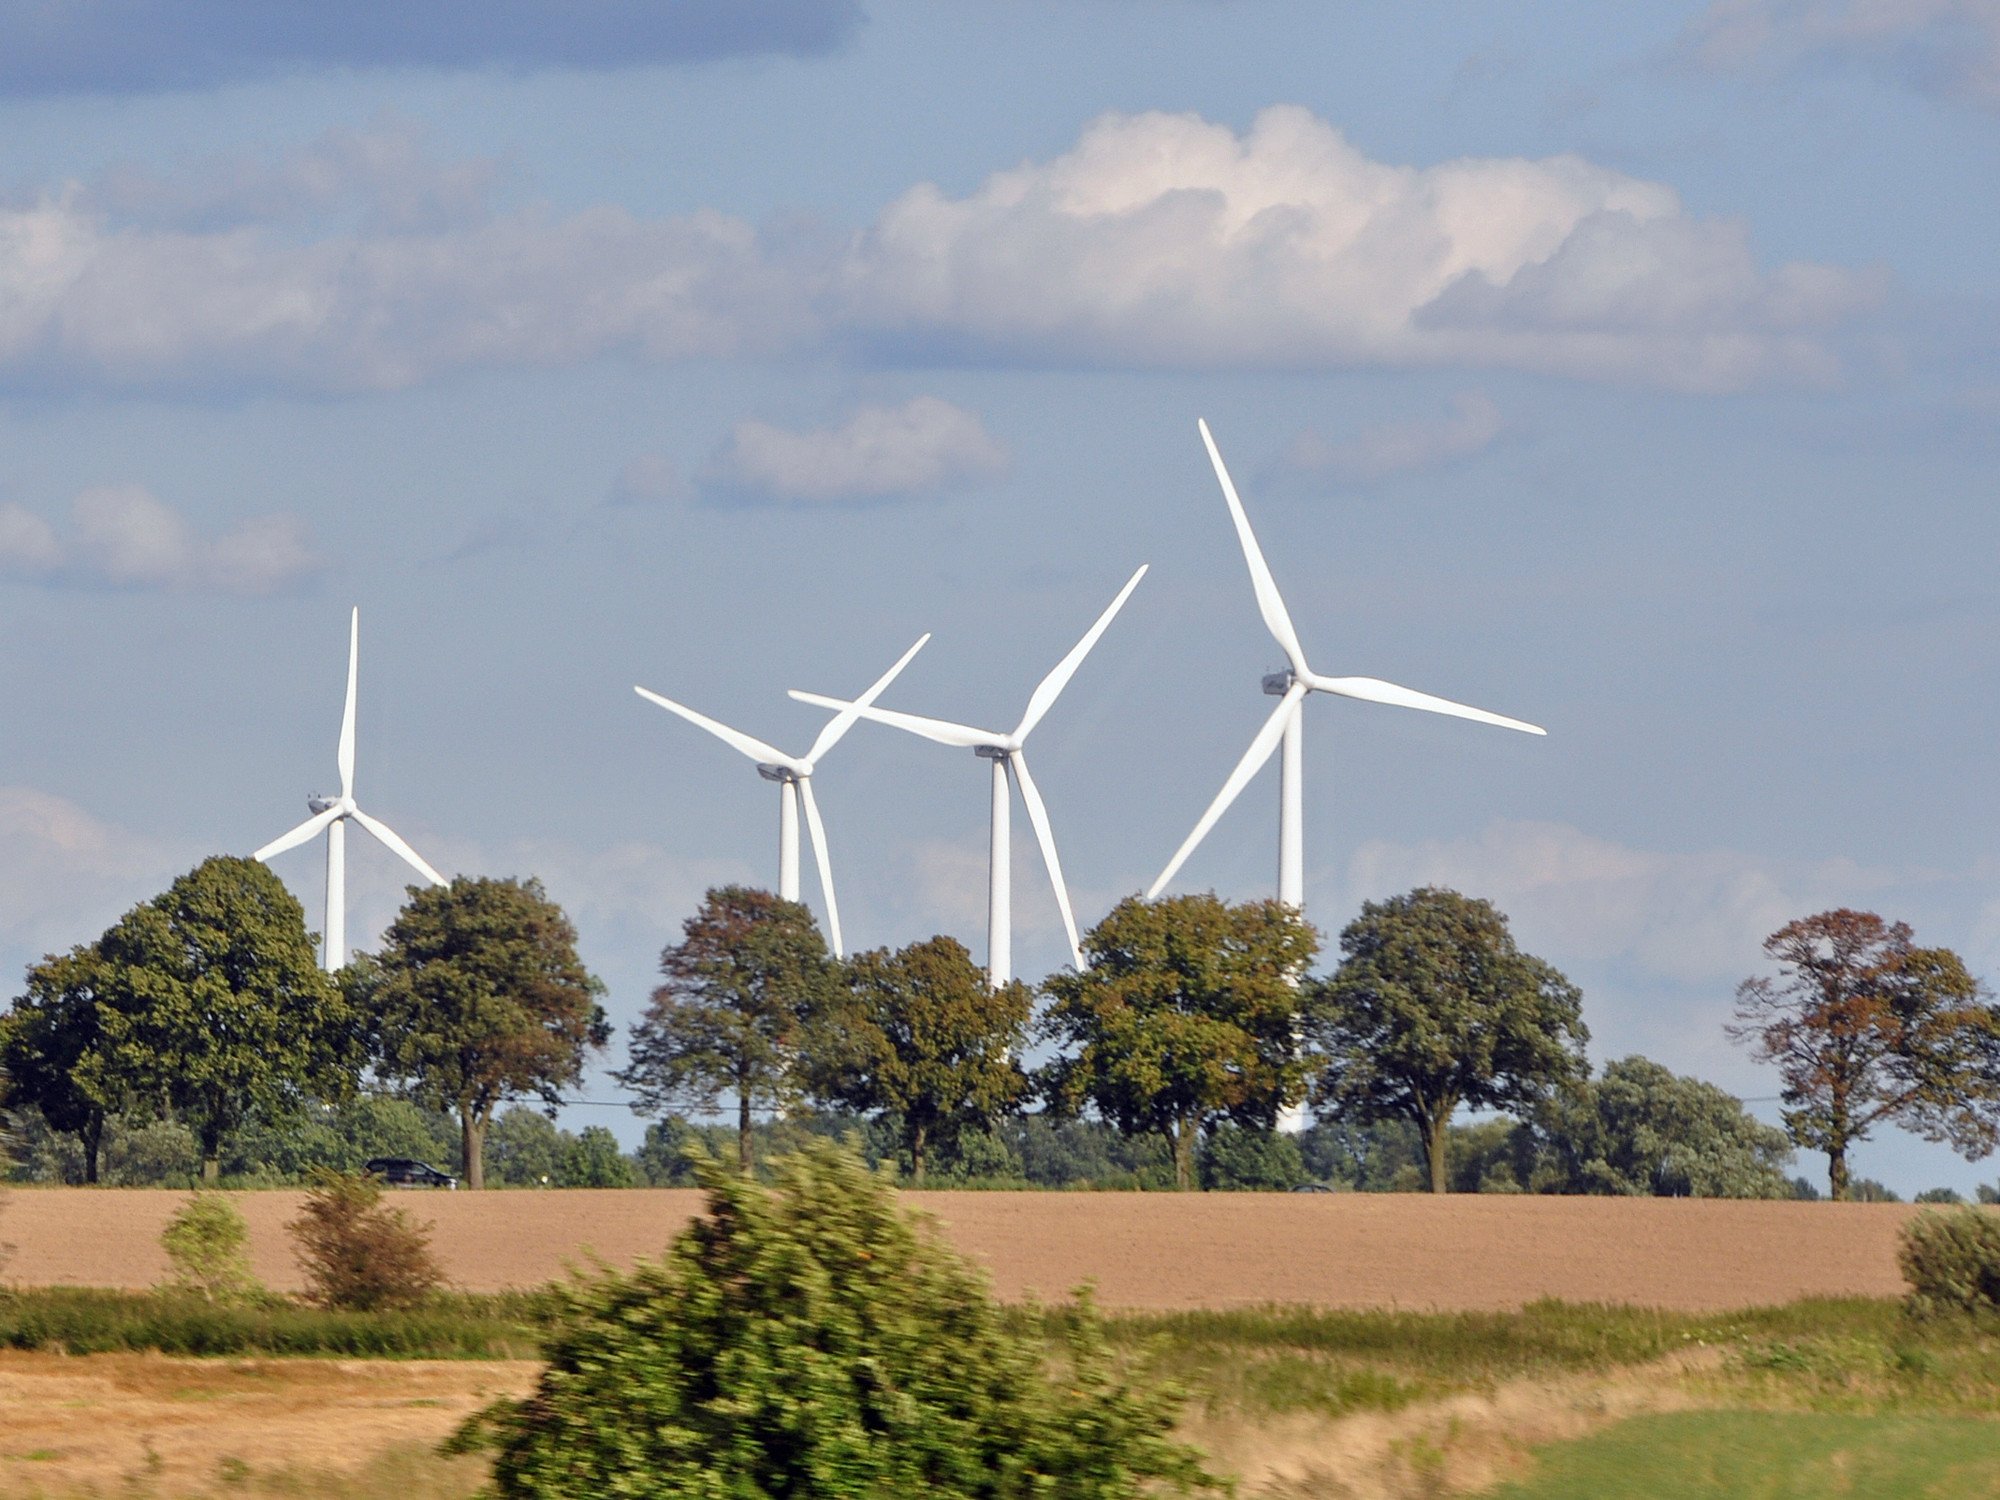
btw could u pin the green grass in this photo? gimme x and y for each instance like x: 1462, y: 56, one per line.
x: 87, y: 1320
x: 1747, y: 1455
x: 1836, y: 1353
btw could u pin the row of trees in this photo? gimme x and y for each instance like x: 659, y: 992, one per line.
x: 205, y: 1007
x: 1197, y: 1024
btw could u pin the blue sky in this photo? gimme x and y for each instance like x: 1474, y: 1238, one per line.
x: 1633, y: 373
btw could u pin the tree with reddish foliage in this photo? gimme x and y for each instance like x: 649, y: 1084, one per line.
x: 1867, y: 1028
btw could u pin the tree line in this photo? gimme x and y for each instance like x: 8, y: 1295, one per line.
x: 198, y: 1024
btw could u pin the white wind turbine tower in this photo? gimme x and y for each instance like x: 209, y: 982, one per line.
x: 1290, y: 688
x: 332, y: 813
x: 1006, y: 753
x: 793, y: 773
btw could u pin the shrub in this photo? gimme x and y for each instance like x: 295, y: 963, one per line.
x: 809, y: 1339
x: 358, y: 1254
x: 1245, y: 1158
x: 205, y: 1242
x: 1951, y: 1261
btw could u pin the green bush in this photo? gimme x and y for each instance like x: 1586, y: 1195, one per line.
x: 1244, y: 1158
x: 1952, y: 1261
x: 809, y: 1339
x: 358, y: 1254
x: 205, y: 1242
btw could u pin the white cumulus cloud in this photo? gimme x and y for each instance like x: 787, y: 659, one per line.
x: 1168, y: 240
x: 124, y: 536
x: 923, y: 447
x: 1469, y: 427
x: 1949, y: 47
x: 65, y: 875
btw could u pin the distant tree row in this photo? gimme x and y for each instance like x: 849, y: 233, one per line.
x: 198, y: 1022
x: 203, y: 1010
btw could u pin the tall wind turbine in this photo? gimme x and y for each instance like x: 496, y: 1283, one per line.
x: 1290, y: 687
x: 1006, y: 753
x: 332, y: 813
x: 793, y: 773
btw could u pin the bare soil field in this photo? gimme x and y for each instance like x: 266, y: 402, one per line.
x: 1143, y: 1250
x: 146, y: 1423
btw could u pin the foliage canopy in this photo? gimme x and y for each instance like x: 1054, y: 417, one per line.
x: 810, y: 1339
x: 1434, y: 1007
x: 1866, y: 1028
x: 750, y: 974
x: 1185, y: 1016
x: 478, y: 997
x: 922, y: 1036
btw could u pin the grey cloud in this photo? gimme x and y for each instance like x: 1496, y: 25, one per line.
x: 924, y: 447
x: 1470, y: 427
x: 131, y: 46
x: 123, y: 536
x: 1944, y: 47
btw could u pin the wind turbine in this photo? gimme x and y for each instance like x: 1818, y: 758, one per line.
x: 1290, y: 687
x: 332, y: 813
x: 1006, y: 753
x: 793, y: 773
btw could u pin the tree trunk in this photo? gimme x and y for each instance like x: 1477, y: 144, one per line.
x: 1186, y: 1130
x: 1836, y: 1173
x: 93, y: 1135
x: 746, y: 1160
x: 472, y: 1147
x: 1433, y: 1133
x: 211, y: 1155
x: 917, y: 1153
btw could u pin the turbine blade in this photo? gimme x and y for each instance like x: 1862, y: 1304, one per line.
x: 755, y: 748
x: 345, y: 755
x: 1038, y: 815
x: 1374, y: 690
x: 1269, y: 603
x: 1051, y: 686
x: 387, y: 835
x: 298, y: 835
x: 844, y: 720
x: 818, y: 831
x: 1253, y: 760
x: 942, y: 730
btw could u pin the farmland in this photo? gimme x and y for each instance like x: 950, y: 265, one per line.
x: 1143, y: 1251
x: 1333, y: 1346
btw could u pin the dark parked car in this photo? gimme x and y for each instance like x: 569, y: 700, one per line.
x: 401, y: 1171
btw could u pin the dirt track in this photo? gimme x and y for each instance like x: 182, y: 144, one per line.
x: 1143, y: 1250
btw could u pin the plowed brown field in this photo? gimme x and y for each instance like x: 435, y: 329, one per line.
x: 1143, y: 1250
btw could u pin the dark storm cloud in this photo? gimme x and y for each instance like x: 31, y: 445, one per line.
x: 136, y: 46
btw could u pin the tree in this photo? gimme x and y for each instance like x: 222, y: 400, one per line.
x: 478, y: 998
x: 1866, y: 1028
x: 750, y: 973
x: 1434, y: 1007
x: 1641, y: 1129
x: 213, y: 1007
x: 1184, y: 1016
x: 51, y: 1028
x: 812, y: 1340
x: 921, y: 1035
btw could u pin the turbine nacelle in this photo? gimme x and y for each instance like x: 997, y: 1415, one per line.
x: 318, y: 804
x: 1277, y: 684
x: 780, y: 774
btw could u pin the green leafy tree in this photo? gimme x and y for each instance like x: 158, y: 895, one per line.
x: 922, y: 1036
x: 1866, y: 1029
x: 1433, y: 1008
x: 749, y: 976
x: 213, y: 1007
x: 1250, y: 1159
x: 1640, y: 1129
x: 591, y: 1159
x: 811, y: 1340
x: 1185, y: 1015
x: 479, y: 997
x: 47, y: 1034
x: 207, y: 1243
